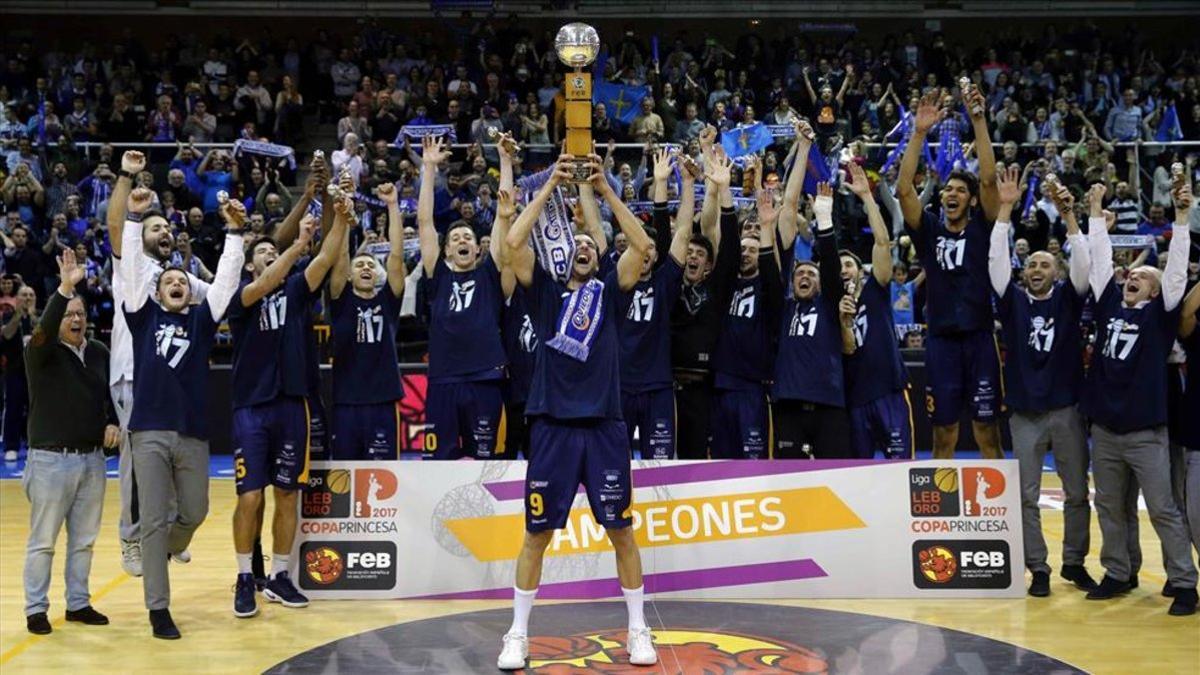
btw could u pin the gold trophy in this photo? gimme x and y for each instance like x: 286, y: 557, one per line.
x: 577, y: 45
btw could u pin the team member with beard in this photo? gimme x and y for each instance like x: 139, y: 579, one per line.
x: 169, y: 436
x: 643, y: 324
x: 709, y: 270
x: 464, y: 407
x: 575, y: 403
x: 809, y: 391
x: 1125, y: 396
x: 876, y: 382
x: 158, y: 244
x: 745, y: 351
x: 961, y: 354
x: 366, y: 375
x: 1040, y: 324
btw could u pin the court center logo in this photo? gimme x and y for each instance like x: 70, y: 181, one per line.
x: 982, y: 486
x: 328, y: 494
x: 933, y: 493
x: 372, y: 488
x: 694, y: 651
x: 962, y: 564
x: 348, y: 565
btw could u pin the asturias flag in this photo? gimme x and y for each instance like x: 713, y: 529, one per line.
x: 746, y: 140
x: 622, y: 101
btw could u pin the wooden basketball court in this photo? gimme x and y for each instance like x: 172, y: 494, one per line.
x: 1131, y: 634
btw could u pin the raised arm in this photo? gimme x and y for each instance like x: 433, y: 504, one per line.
x: 683, y: 217
x: 339, y: 276
x: 432, y: 153
x: 506, y: 210
x: 132, y: 163
x: 394, y: 265
x: 999, y: 258
x: 334, y: 242
x: 287, y: 231
x: 233, y: 258
x: 45, y: 334
x: 847, y: 311
x: 277, y: 272
x: 976, y: 106
x: 1174, y: 278
x: 928, y: 113
x: 829, y: 267
x: 1187, y: 316
x: 516, y: 241
x: 629, y: 265
x: 589, y: 209
x: 131, y: 267
x: 1099, y: 245
x: 790, y: 211
x: 881, y: 250
x: 1080, y: 264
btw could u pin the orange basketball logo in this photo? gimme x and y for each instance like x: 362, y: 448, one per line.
x: 938, y: 564
x: 324, y: 565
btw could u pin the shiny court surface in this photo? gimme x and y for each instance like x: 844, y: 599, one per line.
x: 1062, y: 633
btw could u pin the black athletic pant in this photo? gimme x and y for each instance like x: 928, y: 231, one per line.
x: 806, y: 430
x: 516, y: 436
x: 693, y: 403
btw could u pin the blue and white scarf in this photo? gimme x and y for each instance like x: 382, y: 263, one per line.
x: 579, y: 321
x: 419, y: 131
x: 266, y: 149
x: 553, y: 237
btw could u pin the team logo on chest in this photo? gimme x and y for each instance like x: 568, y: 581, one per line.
x: 370, y: 325
x: 743, y: 303
x: 641, y: 310
x: 1122, y: 337
x: 461, y: 295
x: 950, y: 252
x: 1041, y: 333
x: 526, y: 337
x: 171, y: 343
x: 804, y: 322
x: 273, y: 312
x: 860, y: 326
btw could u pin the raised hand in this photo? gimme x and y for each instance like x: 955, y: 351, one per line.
x: 308, y: 226
x: 929, y: 111
x: 823, y: 204
x: 140, y: 200
x: 387, y: 193
x: 506, y: 204
x: 562, y: 171
x: 133, y: 161
x: 1182, y: 196
x: 662, y: 164
x: 1008, y: 185
x: 975, y: 103
x: 691, y: 170
x: 233, y: 213
x: 69, y: 271
x: 719, y: 169
x: 804, y: 131
x: 433, y: 150
x: 764, y: 201
x: 1063, y: 200
x: 1095, y: 197
x: 848, y: 308
x: 859, y: 184
x: 707, y: 135
x: 344, y: 206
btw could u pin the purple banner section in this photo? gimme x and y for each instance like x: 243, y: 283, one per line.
x: 700, y: 472
x: 665, y: 582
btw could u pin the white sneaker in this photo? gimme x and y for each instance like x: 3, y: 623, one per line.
x: 10, y: 455
x: 131, y: 557
x: 515, y: 652
x: 641, y: 647
x: 183, y: 557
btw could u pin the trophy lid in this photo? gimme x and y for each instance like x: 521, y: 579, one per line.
x: 577, y: 44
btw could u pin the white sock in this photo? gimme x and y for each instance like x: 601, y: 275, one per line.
x: 633, y: 603
x: 522, y: 606
x: 279, y: 563
x: 244, y: 564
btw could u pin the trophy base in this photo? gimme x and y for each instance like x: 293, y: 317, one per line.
x: 581, y: 170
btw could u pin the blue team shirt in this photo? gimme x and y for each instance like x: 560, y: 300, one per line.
x: 809, y: 364
x: 902, y: 297
x: 956, y: 272
x: 743, y: 356
x: 562, y: 387
x: 270, y: 349
x: 1126, y: 386
x: 363, y: 330
x: 464, y: 324
x: 171, y: 352
x: 644, y: 329
x: 875, y: 369
x: 520, y: 344
x: 1044, y: 363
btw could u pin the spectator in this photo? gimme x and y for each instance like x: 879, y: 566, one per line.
x: 1124, y: 122
x: 647, y: 125
x: 355, y: 122
x: 216, y: 173
x: 345, y: 75
x: 16, y: 327
x: 254, y: 99
x: 200, y: 126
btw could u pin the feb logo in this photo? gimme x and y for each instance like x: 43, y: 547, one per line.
x: 933, y: 493
x: 694, y: 651
x: 323, y: 565
x: 937, y: 564
x: 372, y: 488
x: 982, y: 486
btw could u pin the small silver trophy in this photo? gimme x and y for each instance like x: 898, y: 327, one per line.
x: 222, y: 197
x: 964, y: 85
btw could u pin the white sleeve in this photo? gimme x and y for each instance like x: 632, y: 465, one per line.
x: 1102, y: 255
x: 999, y: 259
x: 229, y: 272
x: 1174, y: 278
x: 1081, y: 262
x: 131, y: 268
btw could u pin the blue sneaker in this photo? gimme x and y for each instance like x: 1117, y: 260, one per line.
x: 280, y: 589
x: 244, y: 604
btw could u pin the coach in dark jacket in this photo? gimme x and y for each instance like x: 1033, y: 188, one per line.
x: 70, y: 422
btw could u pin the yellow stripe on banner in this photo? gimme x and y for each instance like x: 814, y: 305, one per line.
x: 666, y: 523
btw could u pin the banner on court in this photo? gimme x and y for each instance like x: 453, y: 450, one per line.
x: 707, y: 529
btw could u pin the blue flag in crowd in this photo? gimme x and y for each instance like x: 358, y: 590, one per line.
x: 1031, y: 195
x: 622, y: 101
x: 1168, y: 126
x: 816, y: 171
x: 746, y: 140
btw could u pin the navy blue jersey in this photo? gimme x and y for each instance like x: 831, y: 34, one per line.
x: 270, y: 349
x: 1126, y: 387
x: 809, y: 364
x: 171, y: 352
x: 1044, y: 363
x: 875, y: 369
x: 464, y: 324
x: 364, y: 348
x: 956, y: 273
x: 644, y: 329
x: 520, y: 344
x: 562, y: 387
x: 744, y: 355
x: 1190, y: 428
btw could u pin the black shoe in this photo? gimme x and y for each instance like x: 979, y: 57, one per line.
x: 280, y: 589
x: 260, y: 583
x: 1185, y: 602
x: 1132, y: 581
x: 88, y: 615
x: 1078, y: 575
x: 1040, y: 586
x: 1108, y: 588
x: 38, y: 624
x: 244, y: 603
x: 1168, y: 590
x: 162, y: 625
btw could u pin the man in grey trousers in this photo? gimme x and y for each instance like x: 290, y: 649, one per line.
x: 171, y: 344
x: 1126, y: 399
x: 70, y: 422
x: 1189, y: 336
x: 1043, y: 371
